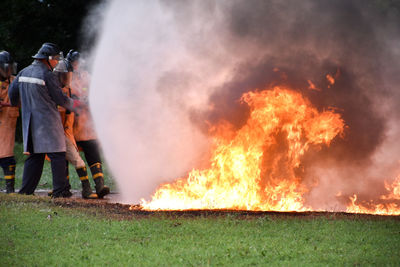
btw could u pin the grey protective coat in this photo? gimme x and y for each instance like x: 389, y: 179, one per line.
x: 39, y: 91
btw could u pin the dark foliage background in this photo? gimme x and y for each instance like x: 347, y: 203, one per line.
x: 26, y: 24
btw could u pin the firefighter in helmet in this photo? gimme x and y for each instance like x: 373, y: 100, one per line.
x: 8, y: 121
x: 64, y: 72
x: 84, y: 133
x: 39, y: 92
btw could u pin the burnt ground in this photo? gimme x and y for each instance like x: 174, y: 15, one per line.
x: 109, y: 207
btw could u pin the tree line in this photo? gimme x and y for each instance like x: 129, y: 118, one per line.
x: 26, y: 24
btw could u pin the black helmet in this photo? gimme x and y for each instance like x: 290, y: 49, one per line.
x: 5, y: 57
x: 73, y: 55
x: 69, y: 66
x: 7, y: 65
x: 47, y: 50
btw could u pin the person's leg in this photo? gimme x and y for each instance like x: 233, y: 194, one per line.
x: 91, y: 151
x: 67, y: 174
x: 33, y: 168
x: 92, y: 155
x: 75, y: 159
x: 98, y: 178
x: 8, y: 165
x: 60, y: 184
x: 86, y: 189
x: 50, y: 193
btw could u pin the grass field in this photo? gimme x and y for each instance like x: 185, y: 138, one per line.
x: 37, y: 231
x: 46, y: 180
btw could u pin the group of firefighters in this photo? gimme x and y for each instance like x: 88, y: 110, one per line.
x: 52, y: 94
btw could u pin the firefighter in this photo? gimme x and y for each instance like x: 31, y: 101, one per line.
x: 83, y: 127
x: 8, y: 121
x: 64, y: 72
x: 39, y: 92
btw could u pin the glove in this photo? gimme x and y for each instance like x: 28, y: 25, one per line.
x: 74, y: 105
x: 77, y: 104
x: 5, y: 104
x: 84, y: 100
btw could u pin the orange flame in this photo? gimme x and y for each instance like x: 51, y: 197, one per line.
x: 330, y: 79
x: 257, y: 166
x: 312, y: 86
x: 389, y: 203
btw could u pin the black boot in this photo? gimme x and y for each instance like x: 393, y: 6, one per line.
x: 67, y: 173
x: 10, y: 186
x: 68, y: 188
x: 98, y: 177
x: 63, y: 194
x: 86, y: 189
x: 9, y: 175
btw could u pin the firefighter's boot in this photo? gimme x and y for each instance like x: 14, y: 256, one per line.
x: 67, y: 174
x: 86, y: 189
x: 10, y: 186
x: 68, y: 188
x: 98, y: 177
x: 9, y: 175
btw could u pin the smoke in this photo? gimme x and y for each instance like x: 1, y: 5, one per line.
x: 163, y: 71
x: 144, y: 82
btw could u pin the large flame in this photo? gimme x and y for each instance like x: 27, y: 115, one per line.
x: 258, y: 166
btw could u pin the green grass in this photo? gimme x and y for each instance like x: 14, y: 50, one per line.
x: 46, y: 179
x: 35, y: 231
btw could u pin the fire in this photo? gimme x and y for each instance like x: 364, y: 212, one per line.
x: 389, y: 204
x: 312, y: 86
x: 330, y: 79
x: 257, y: 167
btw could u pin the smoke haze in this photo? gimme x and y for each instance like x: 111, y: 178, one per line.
x: 163, y: 71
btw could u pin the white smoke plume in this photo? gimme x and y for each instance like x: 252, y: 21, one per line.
x: 164, y: 69
x: 145, y: 80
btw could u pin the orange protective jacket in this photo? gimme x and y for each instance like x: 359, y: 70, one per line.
x: 8, y: 122
x: 83, y: 124
x: 67, y: 119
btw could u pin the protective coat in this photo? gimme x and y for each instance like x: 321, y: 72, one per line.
x: 39, y: 91
x: 83, y: 124
x: 8, y: 122
x: 67, y: 119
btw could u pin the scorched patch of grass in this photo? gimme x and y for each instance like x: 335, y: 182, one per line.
x: 41, y: 233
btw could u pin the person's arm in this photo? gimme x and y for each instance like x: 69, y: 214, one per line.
x: 55, y: 91
x: 13, y: 92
